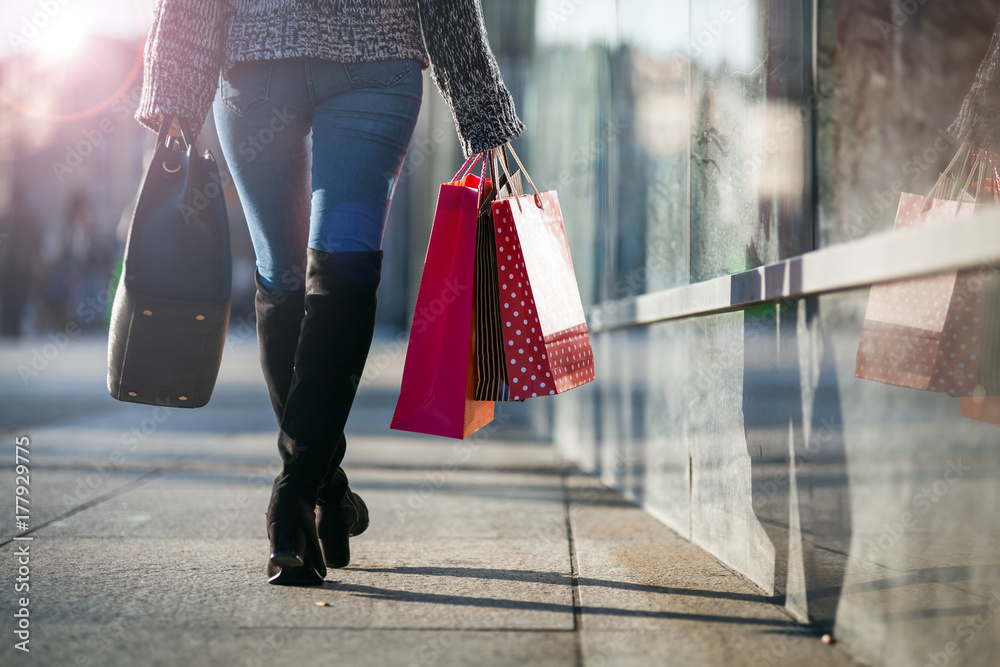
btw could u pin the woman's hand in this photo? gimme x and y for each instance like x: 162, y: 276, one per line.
x: 175, y: 129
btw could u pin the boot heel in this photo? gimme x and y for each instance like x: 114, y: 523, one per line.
x: 334, y: 525
x: 292, y: 563
x: 336, y: 551
x: 287, y: 550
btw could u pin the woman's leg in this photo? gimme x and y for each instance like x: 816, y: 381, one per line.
x: 362, y: 125
x: 363, y: 120
x: 264, y: 119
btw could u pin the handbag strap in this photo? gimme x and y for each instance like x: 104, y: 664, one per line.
x: 161, y: 138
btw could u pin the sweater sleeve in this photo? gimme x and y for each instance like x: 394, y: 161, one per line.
x: 977, y: 120
x: 183, y: 56
x: 467, y: 74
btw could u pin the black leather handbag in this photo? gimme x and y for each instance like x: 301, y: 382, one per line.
x: 171, y: 307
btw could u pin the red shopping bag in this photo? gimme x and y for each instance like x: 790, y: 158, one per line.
x: 546, y: 340
x: 439, y: 375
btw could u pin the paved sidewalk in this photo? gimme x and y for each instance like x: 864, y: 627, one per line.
x: 149, y: 545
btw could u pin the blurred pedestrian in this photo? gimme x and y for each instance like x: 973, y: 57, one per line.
x: 69, y: 252
x: 318, y: 105
x: 20, y: 242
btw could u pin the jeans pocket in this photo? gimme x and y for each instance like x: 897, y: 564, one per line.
x: 378, y: 74
x: 245, y: 86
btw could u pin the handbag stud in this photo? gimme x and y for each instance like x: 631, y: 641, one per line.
x: 183, y: 398
x: 132, y: 393
x: 199, y: 317
x: 147, y: 313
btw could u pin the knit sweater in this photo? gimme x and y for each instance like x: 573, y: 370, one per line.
x: 192, y: 41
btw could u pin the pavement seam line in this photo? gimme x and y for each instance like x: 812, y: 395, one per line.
x: 128, y: 486
x: 574, y: 570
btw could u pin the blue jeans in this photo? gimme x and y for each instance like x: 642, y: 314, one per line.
x: 315, y: 148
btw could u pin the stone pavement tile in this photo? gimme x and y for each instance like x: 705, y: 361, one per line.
x: 490, y: 450
x: 55, y: 492
x: 80, y: 645
x: 176, y: 584
x: 649, y: 597
x: 404, y: 505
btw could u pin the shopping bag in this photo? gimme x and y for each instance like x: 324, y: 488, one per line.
x: 926, y: 333
x: 981, y: 408
x: 439, y: 374
x: 546, y: 340
x: 984, y: 405
x: 493, y: 381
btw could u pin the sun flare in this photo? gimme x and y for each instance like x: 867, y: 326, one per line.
x: 61, y: 41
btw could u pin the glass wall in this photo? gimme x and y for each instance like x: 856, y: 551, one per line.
x: 692, y: 140
x: 695, y: 140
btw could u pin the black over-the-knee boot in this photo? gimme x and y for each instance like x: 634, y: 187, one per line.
x: 340, y: 512
x: 333, y: 344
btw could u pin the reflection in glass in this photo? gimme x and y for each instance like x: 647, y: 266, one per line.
x: 751, y: 135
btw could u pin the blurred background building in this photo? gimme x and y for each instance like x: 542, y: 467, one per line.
x: 711, y: 159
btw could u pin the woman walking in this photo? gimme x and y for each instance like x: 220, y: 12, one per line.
x: 318, y: 103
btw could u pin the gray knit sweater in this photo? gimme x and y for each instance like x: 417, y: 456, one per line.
x: 191, y: 41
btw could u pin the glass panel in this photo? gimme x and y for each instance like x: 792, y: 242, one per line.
x: 652, y: 102
x: 751, y: 200
x: 844, y: 454
x: 898, y: 75
x: 568, y: 107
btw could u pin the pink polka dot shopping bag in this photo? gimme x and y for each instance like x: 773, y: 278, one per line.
x: 931, y: 333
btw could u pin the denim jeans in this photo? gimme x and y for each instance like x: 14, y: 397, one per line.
x: 315, y: 148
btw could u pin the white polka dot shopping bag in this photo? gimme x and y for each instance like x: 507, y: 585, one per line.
x: 928, y: 333
x: 543, y: 330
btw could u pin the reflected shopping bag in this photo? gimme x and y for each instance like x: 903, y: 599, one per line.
x: 546, y: 340
x: 984, y: 405
x: 439, y: 375
x: 927, y: 333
